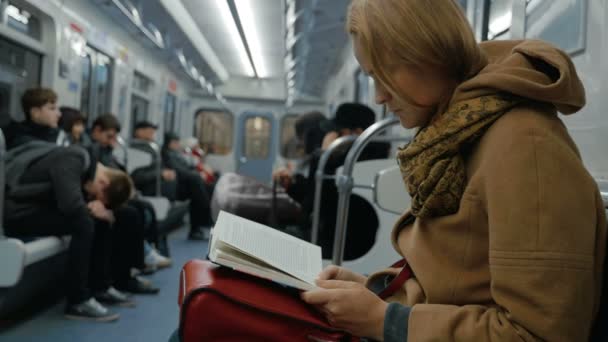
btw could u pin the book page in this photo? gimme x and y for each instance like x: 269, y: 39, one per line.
x: 297, y: 257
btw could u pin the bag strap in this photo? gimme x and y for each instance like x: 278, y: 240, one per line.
x: 397, y: 282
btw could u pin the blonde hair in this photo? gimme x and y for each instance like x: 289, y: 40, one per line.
x: 416, y: 33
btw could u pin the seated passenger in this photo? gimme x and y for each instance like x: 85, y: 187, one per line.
x: 130, y: 229
x: 177, y: 184
x: 72, y: 122
x: 174, y: 158
x: 48, y: 188
x: 309, y: 135
x: 506, y: 234
x: 42, y: 138
x: 350, y: 119
x: 198, y: 156
x: 41, y: 119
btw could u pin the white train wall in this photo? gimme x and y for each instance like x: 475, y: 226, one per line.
x: 558, y: 21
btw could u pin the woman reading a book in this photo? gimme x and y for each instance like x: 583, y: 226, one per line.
x: 506, y: 234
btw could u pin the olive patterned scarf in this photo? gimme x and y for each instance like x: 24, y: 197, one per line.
x: 432, y: 165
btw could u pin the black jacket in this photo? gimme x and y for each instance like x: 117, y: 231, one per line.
x: 18, y: 133
x: 362, y: 221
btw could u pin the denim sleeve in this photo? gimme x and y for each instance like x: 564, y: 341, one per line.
x: 395, y: 323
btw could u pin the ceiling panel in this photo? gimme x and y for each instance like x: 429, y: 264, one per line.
x: 269, y: 22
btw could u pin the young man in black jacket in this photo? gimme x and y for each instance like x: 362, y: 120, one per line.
x: 54, y: 190
x: 138, y: 217
x: 177, y: 183
x: 70, y: 191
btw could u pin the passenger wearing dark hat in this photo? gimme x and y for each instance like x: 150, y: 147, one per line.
x: 350, y: 119
x: 145, y: 124
x: 145, y: 130
x: 354, y: 117
x: 178, y: 182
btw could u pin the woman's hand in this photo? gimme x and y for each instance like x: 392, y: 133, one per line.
x: 349, y: 306
x: 333, y: 272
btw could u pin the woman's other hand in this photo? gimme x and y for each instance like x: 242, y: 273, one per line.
x: 349, y: 306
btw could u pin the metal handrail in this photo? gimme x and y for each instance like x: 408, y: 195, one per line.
x: 2, y: 180
x: 344, y: 183
x: 122, y: 145
x: 319, y: 178
x: 156, y: 149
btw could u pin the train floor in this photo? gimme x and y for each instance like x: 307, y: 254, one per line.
x: 153, y: 319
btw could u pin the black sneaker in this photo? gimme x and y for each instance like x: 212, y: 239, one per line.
x: 114, y: 297
x: 90, y: 310
x: 136, y: 286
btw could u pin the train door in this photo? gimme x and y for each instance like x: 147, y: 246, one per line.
x: 256, y: 145
x: 96, y: 85
x: 19, y: 70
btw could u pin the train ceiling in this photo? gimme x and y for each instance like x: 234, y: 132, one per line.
x: 288, y: 47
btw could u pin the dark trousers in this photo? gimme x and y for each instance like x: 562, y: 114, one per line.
x: 190, y: 186
x: 49, y: 222
x: 148, y: 216
x: 101, y: 257
x: 127, y: 243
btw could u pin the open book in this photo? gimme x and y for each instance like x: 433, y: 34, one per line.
x: 262, y: 251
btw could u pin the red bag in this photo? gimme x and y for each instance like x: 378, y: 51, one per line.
x: 219, y: 304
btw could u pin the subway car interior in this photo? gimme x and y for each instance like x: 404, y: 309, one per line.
x: 221, y: 105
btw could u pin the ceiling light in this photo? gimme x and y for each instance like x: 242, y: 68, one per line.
x: 233, y: 32
x: 186, y: 23
x: 250, y: 28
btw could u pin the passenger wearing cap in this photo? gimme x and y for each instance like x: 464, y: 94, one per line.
x: 177, y: 183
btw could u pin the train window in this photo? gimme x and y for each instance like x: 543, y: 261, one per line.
x: 257, y: 137
x: 170, y: 112
x: 566, y: 28
x: 139, y: 109
x: 214, y: 131
x: 499, y: 23
x: 291, y: 147
x: 96, y: 83
x: 141, y: 82
x: 23, y: 21
x: 19, y: 70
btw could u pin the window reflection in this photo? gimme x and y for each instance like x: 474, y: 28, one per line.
x: 257, y: 138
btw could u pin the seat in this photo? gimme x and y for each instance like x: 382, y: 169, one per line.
x: 381, y: 252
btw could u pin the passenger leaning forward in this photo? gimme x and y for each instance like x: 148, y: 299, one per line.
x: 506, y: 233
